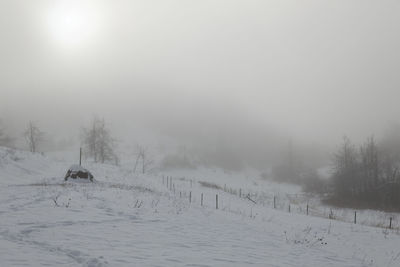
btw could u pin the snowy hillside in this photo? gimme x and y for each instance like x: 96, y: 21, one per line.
x: 125, y: 219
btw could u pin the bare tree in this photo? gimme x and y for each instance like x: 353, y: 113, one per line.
x: 143, y: 157
x: 105, y: 143
x: 346, y: 169
x: 90, y: 137
x: 289, y: 168
x: 390, y: 154
x: 5, y: 140
x: 369, y: 175
x: 33, y: 136
x: 98, y: 141
x: 370, y: 166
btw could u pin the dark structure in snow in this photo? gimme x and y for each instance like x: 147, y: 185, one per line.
x: 78, y: 172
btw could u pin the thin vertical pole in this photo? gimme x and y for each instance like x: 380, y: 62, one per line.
x: 390, y: 223
x: 274, y: 202
x: 289, y: 208
x: 216, y: 201
x: 190, y: 196
x: 355, y: 217
x: 201, y: 199
x: 307, y: 209
x: 240, y: 192
x: 80, y: 156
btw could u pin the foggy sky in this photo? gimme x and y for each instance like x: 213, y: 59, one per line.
x: 312, y: 70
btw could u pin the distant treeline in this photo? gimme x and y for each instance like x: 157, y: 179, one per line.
x: 366, y: 176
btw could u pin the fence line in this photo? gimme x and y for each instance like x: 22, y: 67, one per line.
x: 252, y: 197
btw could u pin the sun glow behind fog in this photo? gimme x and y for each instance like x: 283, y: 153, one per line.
x: 72, y: 24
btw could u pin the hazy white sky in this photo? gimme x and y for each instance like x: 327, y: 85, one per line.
x: 315, y: 69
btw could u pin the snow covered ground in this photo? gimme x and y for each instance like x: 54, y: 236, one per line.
x: 124, y: 219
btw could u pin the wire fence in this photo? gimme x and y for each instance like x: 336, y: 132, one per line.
x: 299, y: 203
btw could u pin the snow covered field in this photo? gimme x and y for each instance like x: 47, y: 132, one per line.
x: 125, y: 219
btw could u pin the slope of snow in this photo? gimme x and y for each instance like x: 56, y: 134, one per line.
x: 125, y: 219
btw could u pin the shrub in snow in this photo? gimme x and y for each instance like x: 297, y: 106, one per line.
x: 78, y: 172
